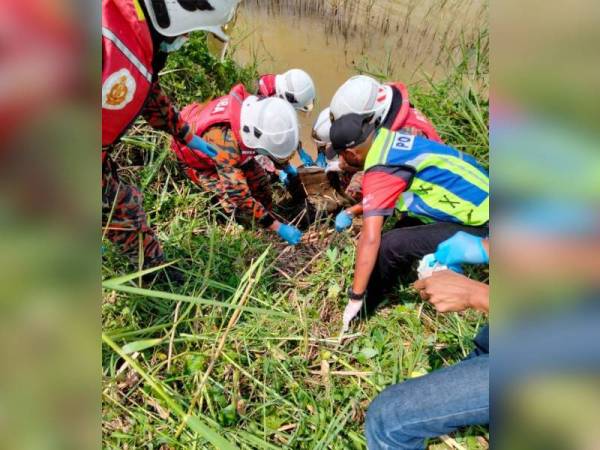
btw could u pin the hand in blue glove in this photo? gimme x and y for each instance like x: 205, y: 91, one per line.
x: 462, y: 248
x: 343, y: 221
x: 286, y: 173
x: 283, y: 178
x: 429, y: 265
x: 291, y: 170
x: 321, y: 160
x: 289, y: 233
x: 305, y: 158
x: 197, y: 143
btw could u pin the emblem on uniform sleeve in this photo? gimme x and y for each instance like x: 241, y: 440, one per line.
x: 118, y: 90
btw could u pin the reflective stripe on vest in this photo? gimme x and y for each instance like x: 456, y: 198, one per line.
x: 128, y: 53
x: 448, y: 185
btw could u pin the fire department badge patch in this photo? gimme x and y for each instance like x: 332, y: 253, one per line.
x: 118, y: 90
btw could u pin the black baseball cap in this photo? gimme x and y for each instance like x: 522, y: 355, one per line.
x: 350, y: 130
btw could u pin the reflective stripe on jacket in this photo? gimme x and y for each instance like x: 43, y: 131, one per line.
x: 127, y: 53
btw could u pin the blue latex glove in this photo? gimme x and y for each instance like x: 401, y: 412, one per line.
x: 461, y: 248
x: 321, y: 160
x: 291, y: 170
x: 343, y: 221
x: 287, y: 172
x: 305, y: 158
x: 431, y: 262
x: 283, y: 178
x: 197, y: 143
x: 289, y: 233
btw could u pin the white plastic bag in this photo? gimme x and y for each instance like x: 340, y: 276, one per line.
x: 428, y: 265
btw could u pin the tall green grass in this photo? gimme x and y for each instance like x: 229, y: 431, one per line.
x: 245, y: 354
x: 457, y: 104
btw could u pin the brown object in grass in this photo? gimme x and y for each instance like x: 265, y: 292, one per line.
x: 320, y: 190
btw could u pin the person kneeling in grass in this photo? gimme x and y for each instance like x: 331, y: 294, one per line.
x: 404, y: 415
x: 436, y: 188
x: 239, y: 127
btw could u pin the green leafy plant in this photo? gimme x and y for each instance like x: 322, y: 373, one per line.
x: 178, y: 375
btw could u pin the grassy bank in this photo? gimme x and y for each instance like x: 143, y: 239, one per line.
x: 245, y: 353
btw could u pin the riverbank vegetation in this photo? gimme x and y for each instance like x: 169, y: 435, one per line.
x: 246, y: 353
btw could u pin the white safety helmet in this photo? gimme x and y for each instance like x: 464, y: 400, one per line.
x: 270, y: 126
x: 321, y: 127
x: 176, y: 17
x: 297, y: 87
x: 362, y: 95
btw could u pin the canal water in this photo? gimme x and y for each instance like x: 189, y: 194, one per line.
x: 334, y: 39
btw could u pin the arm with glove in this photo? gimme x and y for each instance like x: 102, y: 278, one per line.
x: 321, y: 160
x: 366, y: 257
x: 305, y: 157
x: 163, y: 115
x: 288, y: 233
x: 235, y: 187
x: 287, y: 173
x: 382, y: 198
x: 450, y: 291
x: 343, y: 220
x: 307, y: 160
x: 453, y: 252
x: 463, y: 248
x: 238, y: 192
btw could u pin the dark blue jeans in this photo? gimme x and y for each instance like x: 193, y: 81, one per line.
x: 404, y: 415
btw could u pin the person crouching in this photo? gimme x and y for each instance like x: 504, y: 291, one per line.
x: 239, y: 127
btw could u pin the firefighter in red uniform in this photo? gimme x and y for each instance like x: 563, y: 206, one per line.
x: 241, y: 127
x: 383, y: 105
x: 136, y: 37
x: 296, y: 86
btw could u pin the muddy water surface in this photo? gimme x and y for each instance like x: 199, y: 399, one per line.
x: 335, y: 39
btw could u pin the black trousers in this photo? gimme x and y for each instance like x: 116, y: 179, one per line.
x: 402, y: 247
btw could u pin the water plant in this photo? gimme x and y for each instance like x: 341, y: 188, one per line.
x: 245, y: 354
